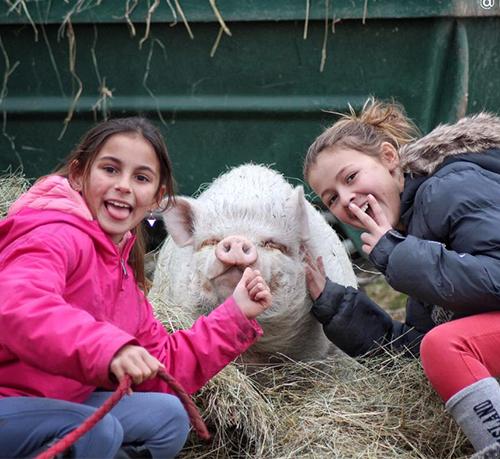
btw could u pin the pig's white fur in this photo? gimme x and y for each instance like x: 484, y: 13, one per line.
x: 258, y: 203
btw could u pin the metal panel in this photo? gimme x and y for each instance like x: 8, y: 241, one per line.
x: 261, y: 97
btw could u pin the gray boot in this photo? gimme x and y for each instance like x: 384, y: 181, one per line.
x: 490, y: 452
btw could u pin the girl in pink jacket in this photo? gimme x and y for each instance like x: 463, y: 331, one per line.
x: 73, y: 314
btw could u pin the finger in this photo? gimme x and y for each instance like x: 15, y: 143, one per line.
x: 135, y: 373
x: 256, y: 289
x: 253, y: 282
x: 378, y: 213
x: 118, y: 373
x: 154, y: 365
x: 246, y: 276
x: 321, y: 265
x: 264, y: 298
x: 309, y: 274
x: 366, y: 221
x: 367, y: 248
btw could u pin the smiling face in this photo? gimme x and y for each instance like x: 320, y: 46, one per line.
x: 123, y: 183
x: 343, y: 175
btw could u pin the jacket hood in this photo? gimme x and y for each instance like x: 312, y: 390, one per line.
x: 60, y: 203
x: 473, y: 134
x: 52, y: 193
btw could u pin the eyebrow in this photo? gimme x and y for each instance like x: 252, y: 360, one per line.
x: 116, y: 160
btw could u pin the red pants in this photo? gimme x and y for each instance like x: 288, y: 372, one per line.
x: 459, y: 353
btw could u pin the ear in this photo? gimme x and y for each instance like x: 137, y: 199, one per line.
x: 389, y: 156
x: 296, y: 205
x: 75, y: 177
x: 179, y: 221
x: 159, y: 196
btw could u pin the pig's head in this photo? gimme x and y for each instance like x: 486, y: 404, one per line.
x: 251, y: 216
x: 230, y: 233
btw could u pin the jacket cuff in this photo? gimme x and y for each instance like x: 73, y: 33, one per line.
x: 327, y: 304
x: 249, y: 328
x: 380, y: 254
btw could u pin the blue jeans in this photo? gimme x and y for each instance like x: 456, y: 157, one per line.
x: 157, y: 421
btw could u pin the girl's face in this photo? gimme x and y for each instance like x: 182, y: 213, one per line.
x: 344, y: 175
x: 123, y: 183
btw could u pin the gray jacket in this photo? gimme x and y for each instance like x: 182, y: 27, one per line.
x: 448, y: 259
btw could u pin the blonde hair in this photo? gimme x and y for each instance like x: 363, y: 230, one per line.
x: 378, y: 122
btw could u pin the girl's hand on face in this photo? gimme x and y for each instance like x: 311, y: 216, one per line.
x: 136, y: 362
x: 315, y: 275
x: 252, y: 294
x: 375, y: 227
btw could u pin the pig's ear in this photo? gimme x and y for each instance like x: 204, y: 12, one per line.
x: 179, y: 221
x: 297, y: 205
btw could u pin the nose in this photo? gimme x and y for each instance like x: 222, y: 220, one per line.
x: 345, y: 198
x: 236, y: 250
x: 123, y: 184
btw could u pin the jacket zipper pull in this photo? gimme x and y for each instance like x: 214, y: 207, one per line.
x: 123, y: 267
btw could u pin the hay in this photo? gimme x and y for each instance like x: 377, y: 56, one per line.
x: 381, y: 407
x: 12, y: 184
x: 337, y: 408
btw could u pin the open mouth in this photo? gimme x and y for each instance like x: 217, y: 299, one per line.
x: 117, y: 209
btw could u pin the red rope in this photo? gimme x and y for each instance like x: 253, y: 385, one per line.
x: 194, y: 415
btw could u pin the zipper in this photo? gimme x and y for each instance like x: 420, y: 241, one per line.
x: 124, y: 269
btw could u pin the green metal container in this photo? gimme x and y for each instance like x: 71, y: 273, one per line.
x: 261, y: 94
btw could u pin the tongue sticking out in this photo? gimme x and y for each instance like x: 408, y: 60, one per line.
x: 119, y: 213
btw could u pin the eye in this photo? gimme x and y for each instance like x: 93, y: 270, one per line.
x: 350, y: 177
x: 209, y: 242
x: 270, y: 244
x: 143, y: 178
x: 109, y: 169
x: 331, y: 200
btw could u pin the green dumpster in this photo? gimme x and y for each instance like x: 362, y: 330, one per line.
x: 230, y: 82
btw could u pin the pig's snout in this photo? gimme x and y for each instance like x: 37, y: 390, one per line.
x: 236, y: 250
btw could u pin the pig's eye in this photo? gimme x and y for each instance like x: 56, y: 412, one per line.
x: 275, y: 246
x: 209, y: 242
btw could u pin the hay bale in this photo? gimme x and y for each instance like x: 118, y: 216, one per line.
x: 381, y: 407
x: 12, y: 184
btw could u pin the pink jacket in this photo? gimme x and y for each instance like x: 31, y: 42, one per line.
x: 69, y: 302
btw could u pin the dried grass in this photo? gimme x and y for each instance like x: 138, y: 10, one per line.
x: 380, y: 407
x: 12, y: 184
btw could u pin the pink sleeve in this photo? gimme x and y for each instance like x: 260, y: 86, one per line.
x: 195, y: 355
x: 63, y: 339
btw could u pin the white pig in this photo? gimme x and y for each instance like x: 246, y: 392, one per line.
x: 251, y: 216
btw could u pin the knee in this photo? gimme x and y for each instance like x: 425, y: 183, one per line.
x: 171, y: 425
x: 440, y: 349
x: 434, y: 351
x: 179, y: 424
x: 430, y: 347
x: 108, y: 434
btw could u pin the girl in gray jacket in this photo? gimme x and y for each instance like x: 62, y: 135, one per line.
x: 430, y: 210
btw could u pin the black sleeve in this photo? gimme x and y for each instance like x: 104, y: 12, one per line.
x: 462, y: 275
x: 357, y: 325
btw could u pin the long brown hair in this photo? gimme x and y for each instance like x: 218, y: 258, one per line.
x: 80, y: 160
x: 378, y: 122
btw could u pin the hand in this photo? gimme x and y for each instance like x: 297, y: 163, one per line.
x: 375, y: 227
x: 252, y: 294
x: 136, y: 362
x: 315, y: 275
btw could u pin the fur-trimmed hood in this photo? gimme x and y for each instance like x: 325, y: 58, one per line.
x: 473, y: 134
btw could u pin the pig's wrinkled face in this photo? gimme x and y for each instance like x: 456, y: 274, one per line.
x: 221, y: 257
x: 260, y: 223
